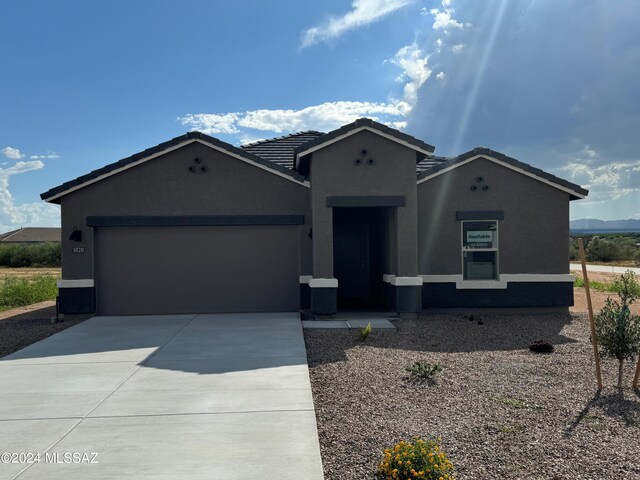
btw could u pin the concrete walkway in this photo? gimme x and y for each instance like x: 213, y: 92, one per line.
x: 223, y: 396
x: 603, y: 268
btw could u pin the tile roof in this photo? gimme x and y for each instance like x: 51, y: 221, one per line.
x: 280, y: 150
x: 32, y: 235
x: 279, y: 155
x: 429, y: 162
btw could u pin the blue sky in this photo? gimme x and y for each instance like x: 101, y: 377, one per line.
x: 555, y: 84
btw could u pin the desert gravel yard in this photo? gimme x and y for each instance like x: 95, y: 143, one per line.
x: 501, y: 410
x: 23, y: 326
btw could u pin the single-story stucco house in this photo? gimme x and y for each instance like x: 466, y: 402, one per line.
x: 362, y: 217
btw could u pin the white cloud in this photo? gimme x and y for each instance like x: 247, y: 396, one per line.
x: 616, y: 178
x: 325, y: 117
x: 363, y: 12
x: 458, y: 49
x: 12, y: 153
x: 49, y: 156
x: 211, y: 123
x: 14, y: 216
x: 246, y: 139
x: 443, y: 20
x: 415, y: 71
x: 441, y: 76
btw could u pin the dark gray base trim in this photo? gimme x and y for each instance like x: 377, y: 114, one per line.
x: 389, y: 296
x: 194, y: 221
x: 408, y: 298
x: 367, y: 201
x: 517, y: 294
x: 480, y: 215
x: 305, y: 296
x: 77, y: 300
x: 324, y: 301
x: 498, y: 310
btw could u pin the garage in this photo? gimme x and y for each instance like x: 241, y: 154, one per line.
x: 196, y: 269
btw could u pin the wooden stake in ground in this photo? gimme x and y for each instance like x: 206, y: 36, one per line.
x: 594, y: 340
x: 637, y: 377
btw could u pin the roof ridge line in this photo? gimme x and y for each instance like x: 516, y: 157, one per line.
x: 267, y: 140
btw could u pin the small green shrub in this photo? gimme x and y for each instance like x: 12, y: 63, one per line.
x: 17, y: 292
x: 627, y: 287
x: 617, y: 330
x: 417, y: 459
x: 365, y: 332
x: 423, y: 370
x: 618, y: 333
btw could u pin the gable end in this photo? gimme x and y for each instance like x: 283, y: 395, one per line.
x: 575, y: 191
x: 53, y: 195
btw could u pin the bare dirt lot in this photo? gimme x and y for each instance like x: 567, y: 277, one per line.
x: 597, y: 298
x: 501, y: 410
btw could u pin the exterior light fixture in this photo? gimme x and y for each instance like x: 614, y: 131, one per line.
x: 76, y: 235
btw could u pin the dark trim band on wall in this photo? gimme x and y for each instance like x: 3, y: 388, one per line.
x: 367, y: 201
x: 194, y: 221
x: 480, y: 215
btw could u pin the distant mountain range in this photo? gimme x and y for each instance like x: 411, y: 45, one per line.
x: 594, y: 224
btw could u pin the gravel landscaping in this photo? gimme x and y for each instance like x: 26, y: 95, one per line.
x: 501, y: 410
x: 23, y: 326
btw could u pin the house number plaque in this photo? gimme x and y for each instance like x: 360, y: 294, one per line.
x: 77, y: 250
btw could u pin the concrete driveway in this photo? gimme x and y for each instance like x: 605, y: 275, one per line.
x: 223, y: 396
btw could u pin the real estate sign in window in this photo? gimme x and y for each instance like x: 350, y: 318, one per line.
x: 480, y: 250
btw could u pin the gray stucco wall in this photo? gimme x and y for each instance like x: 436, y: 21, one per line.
x: 334, y: 172
x: 164, y: 186
x: 533, y: 237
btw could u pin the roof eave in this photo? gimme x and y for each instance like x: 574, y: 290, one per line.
x: 576, y: 192
x: 356, y: 127
x: 55, y: 194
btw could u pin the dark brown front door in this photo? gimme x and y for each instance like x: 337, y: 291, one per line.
x: 351, y: 264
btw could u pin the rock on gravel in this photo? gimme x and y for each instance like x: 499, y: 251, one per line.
x: 501, y: 410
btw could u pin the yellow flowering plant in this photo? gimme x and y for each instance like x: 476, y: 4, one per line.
x: 415, y: 460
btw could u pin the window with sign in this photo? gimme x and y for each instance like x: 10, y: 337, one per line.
x: 480, y: 250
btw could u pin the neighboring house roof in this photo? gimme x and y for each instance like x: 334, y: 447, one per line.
x: 280, y: 150
x: 576, y: 191
x: 358, y: 126
x: 55, y: 193
x: 32, y: 235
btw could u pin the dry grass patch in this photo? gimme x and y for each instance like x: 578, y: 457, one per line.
x: 29, y: 272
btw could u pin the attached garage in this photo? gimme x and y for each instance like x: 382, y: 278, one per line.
x: 196, y: 269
